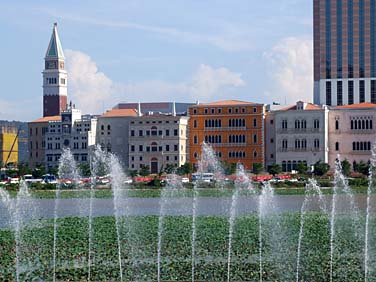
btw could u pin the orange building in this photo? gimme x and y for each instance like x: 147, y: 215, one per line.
x: 235, y: 129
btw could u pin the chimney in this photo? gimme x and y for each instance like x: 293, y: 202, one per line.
x: 173, y: 109
x: 139, y: 109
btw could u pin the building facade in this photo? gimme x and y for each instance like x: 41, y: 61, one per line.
x: 8, y: 146
x: 297, y: 134
x: 157, y: 107
x: 54, y: 78
x: 112, y: 132
x: 158, y: 140
x: 235, y: 129
x: 36, y: 135
x: 74, y: 131
x: 352, y: 132
x: 344, y: 52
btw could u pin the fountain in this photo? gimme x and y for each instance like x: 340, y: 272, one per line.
x: 242, y: 183
x: 173, y: 186
x: 313, y: 196
x: 369, y: 241
x: 67, y: 171
x: 245, y: 237
x: 344, y: 223
x: 208, y: 163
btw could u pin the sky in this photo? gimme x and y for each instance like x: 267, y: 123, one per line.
x: 157, y: 50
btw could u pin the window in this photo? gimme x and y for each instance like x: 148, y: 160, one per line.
x: 195, y: 123
x: 140, y: 158
x: 284, y: 144
x: 328, y: 93
x: 140, y: 148
x: 337, y: 124
x: 316, y: 143
x: 271, y: 140
x: 254, y: 122
x: 132, y: 148
x: 154, y: 147
x: 206, y: 111
x: 132, y: 132
x: 195, y: 141
x: 140, y: 133
x: 337, y: 146
x: 167, y: 148
x: 154, y: 131
x: 255, y: 139
x: 108, y: 127
x: 316, y: 124
x: 194, y: 111
x: 219, y: 111
x: 373, y: 91
x: 230, y: 111
x: 284, y: 124
x: 361, y: 91
x: 255, y: 110
x: 339, y: 93
x: 255, y: 154
x: 350, y: 90
x: 167, y: 132
x: 176, y: 148
x: 175, y: 132
x: 212, y: 111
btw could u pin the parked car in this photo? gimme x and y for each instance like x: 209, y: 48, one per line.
x: 184, y: 180
x: 49, y: 179
x: 128, y: 180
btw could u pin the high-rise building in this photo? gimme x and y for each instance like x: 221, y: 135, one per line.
x: 344, y: 51
x: 54, y: 78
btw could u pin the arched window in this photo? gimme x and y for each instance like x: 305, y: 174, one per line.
x: 255, y: 154
x: 337, y: 146
x: 352, y: 124
x: 337, y: 124
x: 108, y: 127
x: 154, y: 147
x: 255, y: 139
x: 154, y: 131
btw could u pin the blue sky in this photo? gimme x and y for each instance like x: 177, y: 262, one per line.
x: 135, y: 50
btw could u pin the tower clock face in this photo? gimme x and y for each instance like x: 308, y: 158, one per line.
x: 51, y: 65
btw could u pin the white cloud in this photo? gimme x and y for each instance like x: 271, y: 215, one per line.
x: 290, y: 64
x: 87, y: 87
x: 208, y: 81
x: 91, y: 90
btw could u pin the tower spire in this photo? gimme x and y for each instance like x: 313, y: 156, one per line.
x: 55, y: 50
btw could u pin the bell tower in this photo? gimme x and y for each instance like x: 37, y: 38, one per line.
x: 54, y: 78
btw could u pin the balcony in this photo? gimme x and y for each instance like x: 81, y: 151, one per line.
x: 239, y: 128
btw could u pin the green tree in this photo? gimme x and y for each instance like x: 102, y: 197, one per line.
x: 257, y: 168
x: 39, y: 171
x: 53, y: 170
x: 302, y: 168
x: 24, y: 169
x: 132, y: 172
x: 346, y: 167
x: 361, y: 167
x: 85, y: 169
x: 170, y: 168
x: 185, y: 169
x: 144, y: 170
x: 229, y: 168
x: 275, y: 169
x: 321, y: 168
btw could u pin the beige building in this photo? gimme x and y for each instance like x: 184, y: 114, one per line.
x: 351, y: 132
x: 112, y: 132
x: 157, y: 140
x: 297, y: 134
x: 37, y: 145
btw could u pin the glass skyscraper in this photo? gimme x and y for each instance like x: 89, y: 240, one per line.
x: 344, y: 51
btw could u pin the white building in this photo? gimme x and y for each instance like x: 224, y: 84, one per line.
x: 351, y: 132
x: 74, y: 131
x: 158, y: 140
x: 297, y: 134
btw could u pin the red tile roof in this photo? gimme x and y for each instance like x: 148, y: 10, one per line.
x: 120, y: 113
x: 225, y: 103
x: 365, y: 105
x: 47, y: 119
